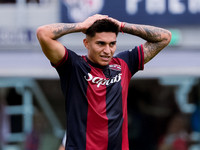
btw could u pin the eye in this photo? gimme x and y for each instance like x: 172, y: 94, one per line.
x: 101, y: 43
x: 112, y: 44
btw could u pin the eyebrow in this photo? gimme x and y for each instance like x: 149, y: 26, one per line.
x: 113, y: 42
x: 105, y: 42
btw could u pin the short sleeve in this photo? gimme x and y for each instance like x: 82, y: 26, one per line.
x: 62, y: 60
x: 134, y: 58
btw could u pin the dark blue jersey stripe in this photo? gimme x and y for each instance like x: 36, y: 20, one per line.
x: 71, y: 74
x: 115, y: 118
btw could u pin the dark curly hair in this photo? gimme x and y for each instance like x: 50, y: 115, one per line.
x: 103, y: 25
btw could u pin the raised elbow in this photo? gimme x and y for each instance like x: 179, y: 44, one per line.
x: 40, y: 32
x: 169, y: 37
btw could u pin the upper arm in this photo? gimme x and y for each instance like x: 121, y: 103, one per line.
x: 151, y: 49
x: 53, y: 49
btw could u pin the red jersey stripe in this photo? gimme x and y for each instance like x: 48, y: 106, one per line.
x: 124, y: 83
x: 97, y: 121
x: 142, y: 53
x: 140, y: 57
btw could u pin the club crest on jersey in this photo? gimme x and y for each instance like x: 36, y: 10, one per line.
x: 101, y: 81
x: 115, y: 67
x: 79, y: 10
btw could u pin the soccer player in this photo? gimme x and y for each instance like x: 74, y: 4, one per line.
x: 95, y: 86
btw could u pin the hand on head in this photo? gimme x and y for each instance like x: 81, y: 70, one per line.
x: 90, y: 20
x: 115, y: 21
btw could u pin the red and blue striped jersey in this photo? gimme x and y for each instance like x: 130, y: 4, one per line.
x: 96, y: 99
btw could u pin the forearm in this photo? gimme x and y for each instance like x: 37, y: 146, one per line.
x: 55, y: 31
x: 149, y: 33
x: 156, y: 38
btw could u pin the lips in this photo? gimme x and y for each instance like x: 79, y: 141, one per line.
x: 106, y: 58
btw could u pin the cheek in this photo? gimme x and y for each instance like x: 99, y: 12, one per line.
x: 92, y: 52
x: 113, y: 50
x: 93, y: 47
x: 96, y: 50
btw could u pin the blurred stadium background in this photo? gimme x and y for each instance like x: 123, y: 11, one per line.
x: 164, y: 99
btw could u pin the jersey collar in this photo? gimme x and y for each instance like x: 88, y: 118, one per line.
x: 96, y: 65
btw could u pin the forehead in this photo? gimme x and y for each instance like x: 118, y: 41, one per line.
x: 104, y: 36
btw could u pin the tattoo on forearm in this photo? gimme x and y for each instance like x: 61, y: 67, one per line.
x: 157, y: 38
x: 149, y: 33
x: 150, y: 50
x: 60, y: 29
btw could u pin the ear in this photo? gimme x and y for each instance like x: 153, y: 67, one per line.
x: 86, y: 43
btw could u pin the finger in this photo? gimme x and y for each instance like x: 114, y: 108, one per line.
x: 113, y: 20
x: 98, y: 16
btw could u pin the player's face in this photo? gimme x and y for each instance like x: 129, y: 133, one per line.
x: 101, y: 47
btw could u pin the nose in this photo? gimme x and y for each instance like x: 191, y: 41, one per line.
x: 107, y: 49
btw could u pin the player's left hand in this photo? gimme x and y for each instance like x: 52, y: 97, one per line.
x: 116, y: 21
x: 90, y: 20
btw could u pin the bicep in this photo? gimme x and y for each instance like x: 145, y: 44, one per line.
x: 53, y: 49
x: 151, y: 50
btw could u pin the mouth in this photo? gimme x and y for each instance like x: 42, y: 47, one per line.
x: 105, y: 57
